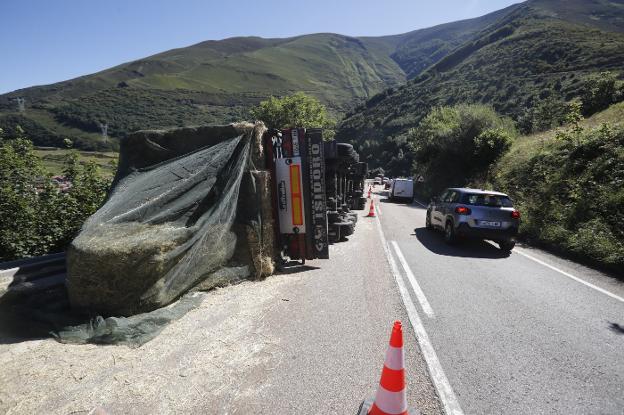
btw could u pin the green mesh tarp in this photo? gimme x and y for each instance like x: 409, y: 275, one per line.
x: 164, y: 228
x: 185, y: 213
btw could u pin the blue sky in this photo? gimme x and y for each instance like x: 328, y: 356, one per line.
x: 45, y: 41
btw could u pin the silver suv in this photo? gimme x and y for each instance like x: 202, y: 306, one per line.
x: 474, y: 213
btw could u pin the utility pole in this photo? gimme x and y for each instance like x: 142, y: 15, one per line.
x: 21, y: 104
x: 104, y: 129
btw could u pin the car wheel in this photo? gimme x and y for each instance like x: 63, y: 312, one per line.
x: 506, y: 246
x: 428, y: 224
x: 449, y: 233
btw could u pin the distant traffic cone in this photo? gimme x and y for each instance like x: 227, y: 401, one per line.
x: 371, y: 211
x: 369, y: 192
x: 390, y: 398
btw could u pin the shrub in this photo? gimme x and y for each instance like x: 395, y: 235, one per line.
x: 598, y: 92
x: 453, y: 145
x: 36, y: 216
x: 571, y: 193
x: 298, y: 110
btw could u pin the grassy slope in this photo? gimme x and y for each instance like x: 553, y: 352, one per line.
x: 418, y: 50
x: 217, y: 81
x: 571, y: 193
x: 525, y: 147
x: 54, y: 160
x: 211, y: 82
x: 510, y: 66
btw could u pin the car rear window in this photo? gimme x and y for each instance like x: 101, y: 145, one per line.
x: 487, y: 200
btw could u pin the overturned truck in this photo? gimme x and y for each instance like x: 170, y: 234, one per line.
x: 198, y: 208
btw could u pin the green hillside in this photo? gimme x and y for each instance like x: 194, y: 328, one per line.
x: 211, y: 82
x: 569, y: 188
x: 218, y: 81
x: 539, y: 49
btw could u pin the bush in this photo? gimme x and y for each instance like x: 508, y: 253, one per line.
x: 36, y: 215
x: 600, y: 91
x: 571, y: 194
x: 298, y: 110
x: 454, y: 145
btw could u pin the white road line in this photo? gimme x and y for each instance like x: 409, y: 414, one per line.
x: 440, y: 381
x: 539, y: 261
x: 416, y: 201
x: 412, y: 279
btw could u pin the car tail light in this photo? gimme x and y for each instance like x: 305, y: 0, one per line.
x: 463, y: 210
x: 515, y: 214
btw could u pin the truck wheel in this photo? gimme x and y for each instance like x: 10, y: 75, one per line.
x: 361, y: 203
x: 333, y: 233
x: 346, y: 229
x: 449, y: 233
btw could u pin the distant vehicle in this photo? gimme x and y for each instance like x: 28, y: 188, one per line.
x: 388, y: 184
x: 474, y: 213
x: 377, y: 180
x: 402, y: 189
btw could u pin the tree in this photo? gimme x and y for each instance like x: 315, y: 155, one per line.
x: 453, y: 145
x: 599, y: 92
x: 548, y: 113
x: 297, y: 110
x: 37, y: 215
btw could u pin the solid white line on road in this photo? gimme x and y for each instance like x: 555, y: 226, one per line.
x: 539, y: 261
x: 412, y: 279
x: 423, y: 205
x: 440, y: 381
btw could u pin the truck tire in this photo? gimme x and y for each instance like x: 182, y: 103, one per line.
x: 353, y: 217
x: 346, y: 229
x: 333, y: 233
x: 333, y: 216
x: 361, y: 203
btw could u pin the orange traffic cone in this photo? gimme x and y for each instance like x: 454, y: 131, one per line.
x: 369, y: 193
x: 371, y: 211
x: 390, y: 398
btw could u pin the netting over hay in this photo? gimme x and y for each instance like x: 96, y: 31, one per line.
x: 177, y: 216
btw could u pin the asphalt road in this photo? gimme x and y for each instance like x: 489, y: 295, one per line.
x: 527, y: 333
x: 310, y: 340
x: 484, y: 334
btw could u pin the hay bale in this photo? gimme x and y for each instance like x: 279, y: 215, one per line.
x: 169, y: 222
x: 124, y: 269
x: 262, y: 241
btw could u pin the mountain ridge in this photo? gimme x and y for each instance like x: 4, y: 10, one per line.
x: 216, y: 81
x: 530, y: 54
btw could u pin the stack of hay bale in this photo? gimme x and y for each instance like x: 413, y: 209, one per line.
x: 189, y: 208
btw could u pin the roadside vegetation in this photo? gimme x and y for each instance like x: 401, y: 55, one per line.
x: 297, y: 110
x: 568, y: 182
x: 527, y: 65
x: 455, y: 143
x: 39, y: 215
x: 569, y: 185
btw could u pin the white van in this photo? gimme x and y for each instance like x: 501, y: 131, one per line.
x: 402, y: 189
